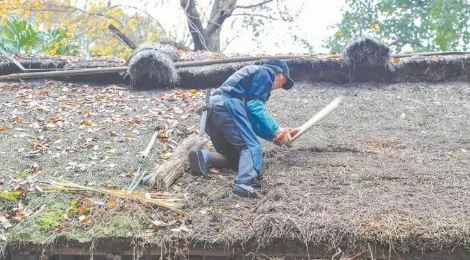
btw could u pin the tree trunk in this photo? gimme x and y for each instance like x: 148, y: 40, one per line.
x: 213, y: 41
x: 122, y: 37
x: 207, y: 38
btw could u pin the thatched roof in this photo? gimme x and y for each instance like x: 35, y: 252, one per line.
x: 321, y: 68
x: 383, y: 177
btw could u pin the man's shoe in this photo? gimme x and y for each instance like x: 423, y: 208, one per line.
x: 256, y: 184
x: 246, y: 191
x: 197, y: 163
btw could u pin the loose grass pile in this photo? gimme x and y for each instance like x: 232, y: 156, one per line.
x: 160, y: 200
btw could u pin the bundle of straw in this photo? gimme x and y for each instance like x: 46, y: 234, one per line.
x: 167, y: 173
x: 160, y: 200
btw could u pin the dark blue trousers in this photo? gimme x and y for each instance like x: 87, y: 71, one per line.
x: 228, y: 141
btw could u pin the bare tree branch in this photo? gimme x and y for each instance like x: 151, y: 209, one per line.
x: 229, y: 41
x: 195, y: 24
x: 47, y: 7
x: 257, y: 15
x: 221, y: 10
x: 121, y: 36
x: 253, y: 5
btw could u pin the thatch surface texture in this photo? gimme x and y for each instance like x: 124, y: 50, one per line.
x: 388, y: 168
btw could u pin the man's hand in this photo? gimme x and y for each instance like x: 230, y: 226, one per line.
x: 283, y: 136
x: 294, y: 131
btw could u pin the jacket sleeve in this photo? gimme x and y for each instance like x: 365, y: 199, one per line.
x: 261, y: 120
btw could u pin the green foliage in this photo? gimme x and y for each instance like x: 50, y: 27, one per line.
x: 12, y: 195
x: 59, y: 42
x: 19, y: 35
x: 73, y: 208
x: 51, y: 220
x: 434, y: 25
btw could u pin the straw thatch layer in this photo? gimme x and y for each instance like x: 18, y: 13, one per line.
x: 207, y: 76
x: 152, y: 69
x: 169, y: 50
x: 367, y: 60
x: 433, y: 69
x: 316, y: 70
x: 151, y: 66
x: 366, y: 52
x: 51, y: 63
x: 390, y: 167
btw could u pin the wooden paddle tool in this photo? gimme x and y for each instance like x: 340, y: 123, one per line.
x: 317, y: 117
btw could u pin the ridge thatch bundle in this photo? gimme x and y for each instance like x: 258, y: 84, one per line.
x: 367, y: 60
x: 366, y: 53
x: 151, y: 66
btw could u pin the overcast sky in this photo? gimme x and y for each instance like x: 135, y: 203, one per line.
x: 312, y: 24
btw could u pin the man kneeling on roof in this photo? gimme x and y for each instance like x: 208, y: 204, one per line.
x: 237, y: 115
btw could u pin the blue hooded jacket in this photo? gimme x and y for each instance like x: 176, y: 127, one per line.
x: 253, y: 85
x: 244, y: 94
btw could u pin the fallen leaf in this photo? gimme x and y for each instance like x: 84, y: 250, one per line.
x: 82, y: 210
x: 137, y: 120
x: 2, y: 128
x: 374, y: 26
x: 52, y: 120
x: 17, y: 120
x: 60, y: 227
x: 87, y: 123
x: 86, y: 113
x: 129, y: 137
x: 112, y: 204
x: 43, y: 93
